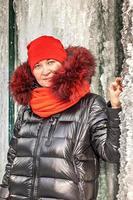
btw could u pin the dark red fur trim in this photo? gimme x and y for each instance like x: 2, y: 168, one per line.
x: 21, y: 84
x: 78, y: 66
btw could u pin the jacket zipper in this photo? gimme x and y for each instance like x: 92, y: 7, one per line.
x: 35, y: 165
x: 36, y: 155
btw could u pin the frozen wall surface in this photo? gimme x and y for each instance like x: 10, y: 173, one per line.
x: 126, y: 149
x: 3, y: 83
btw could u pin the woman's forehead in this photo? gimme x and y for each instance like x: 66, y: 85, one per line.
x: 45, y: 60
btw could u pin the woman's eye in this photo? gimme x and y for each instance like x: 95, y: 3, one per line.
x: 50, y: 62
x: 37, y: 66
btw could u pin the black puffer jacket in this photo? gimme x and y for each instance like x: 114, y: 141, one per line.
x: 58, y: 157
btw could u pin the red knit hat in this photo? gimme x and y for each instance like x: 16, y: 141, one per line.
x: 45, y: 47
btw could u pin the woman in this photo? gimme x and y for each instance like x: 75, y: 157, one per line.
x: 62, y: 128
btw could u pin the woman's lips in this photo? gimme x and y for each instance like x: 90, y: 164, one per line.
x: 45, y: 79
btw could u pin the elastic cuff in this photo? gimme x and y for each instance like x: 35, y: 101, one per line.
x: 114, y: 113
x: 110, y: 106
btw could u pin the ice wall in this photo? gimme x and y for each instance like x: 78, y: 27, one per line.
x: 3, y: 83
x: 126, y: 149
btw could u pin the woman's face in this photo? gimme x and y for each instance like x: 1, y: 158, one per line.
x: 45, y: 70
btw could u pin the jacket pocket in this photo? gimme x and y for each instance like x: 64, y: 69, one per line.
x: 87, y: 167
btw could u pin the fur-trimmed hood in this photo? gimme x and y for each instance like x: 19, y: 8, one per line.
x: 78, y: 66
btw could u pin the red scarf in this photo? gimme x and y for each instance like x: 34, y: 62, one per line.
x: 45, y: 104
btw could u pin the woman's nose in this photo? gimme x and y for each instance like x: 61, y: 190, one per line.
x: 45, y: 71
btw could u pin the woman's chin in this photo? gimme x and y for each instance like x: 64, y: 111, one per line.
x: 45, y: 85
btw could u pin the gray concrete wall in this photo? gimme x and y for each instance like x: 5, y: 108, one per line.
x: 3, y: 83
x: 126, y: 149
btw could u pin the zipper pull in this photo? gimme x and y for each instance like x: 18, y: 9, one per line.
x: 53, y: 121
x: 50, y: 134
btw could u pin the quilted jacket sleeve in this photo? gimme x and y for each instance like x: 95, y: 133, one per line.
x: 105, y: 131
x: 10, y: 156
